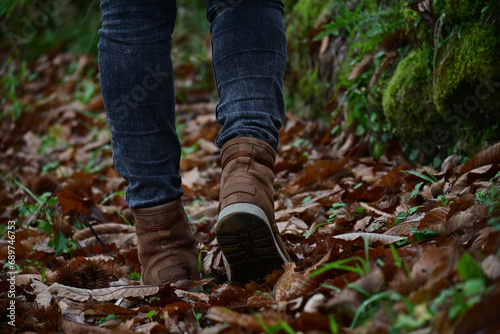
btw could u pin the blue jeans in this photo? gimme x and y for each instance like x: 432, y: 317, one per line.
x: 137, y: 81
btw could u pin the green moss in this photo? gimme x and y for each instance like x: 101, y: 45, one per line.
x: 301, y: 15
x: 473, y: 57
x: 459, y: 11
x: 416, y: 26
x: 406, y: 99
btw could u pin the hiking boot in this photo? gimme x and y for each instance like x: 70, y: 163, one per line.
x: 166, y: 244
x: 246, y: 229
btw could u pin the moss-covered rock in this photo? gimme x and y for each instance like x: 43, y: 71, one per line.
x: 445, y: 97
x: 474, y: 57
x: 407, y: 99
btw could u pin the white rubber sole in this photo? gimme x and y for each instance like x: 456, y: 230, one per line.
x: 245, y: 236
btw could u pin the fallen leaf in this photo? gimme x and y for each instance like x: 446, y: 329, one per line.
x: 487, y: 156
x: 43, y: 295
x: 293, y: 284
x: 370, y: 237
x: 222, y: 314
x: 491, y: 266
x: 102, y: 295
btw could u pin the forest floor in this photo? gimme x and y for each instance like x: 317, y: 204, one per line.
x: 378, y: 245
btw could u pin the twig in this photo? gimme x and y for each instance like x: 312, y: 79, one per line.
x: 86, y: 222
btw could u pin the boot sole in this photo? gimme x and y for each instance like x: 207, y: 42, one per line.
x: 247, y: 242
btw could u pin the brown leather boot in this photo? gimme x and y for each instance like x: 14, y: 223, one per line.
x: 246, y: 229
x: 166, y: 244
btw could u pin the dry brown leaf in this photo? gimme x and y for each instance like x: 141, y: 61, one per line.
x: 293, y: 284
x: 43, y: 295
x: 370, y: 208
x: 108, y: 228
x: 362, y: 224
x: 103, y: 294
x: 434, y: 218
x: 76, y: 328
x: 459, y: 221
x: 319, y: 170
x: 192, y: 296
x: 483, y: 317
x: 106, y: 309
x: 80, y: 183
x: 487, y: 156
x: 491, y: 266
x: 24, y: 279
x: 119, y: 239
x: 403, y: 229
x: 425, y: 265
x: 349, y: 300
x: 479, y: 173
x: 72, y: 203
x: 360, y: 67
x: 222, y: 314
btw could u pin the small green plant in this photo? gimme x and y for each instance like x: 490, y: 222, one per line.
x: 368, y: 309
x: 111, y: 196
x: 263, y: 294
x: 306, y: 199
x: 200, y: 260
x: 331, y: 218
x: 334, y: 326
x: 491, y: 199
x: 49, y: 166
x: 61, y: 244
x: 464, y: 294
x: 42, y: 212
x: 7, y: 266
x: 124, y: 218
x: 401, y: 216
x: 150, y: 315
x: 397, y: 259
x: 335, y: 207
x: 95, y: 163
x: 42, y: 215
x: 134, y: 276
x: 11, y: 83
x: 86, y: 88
x: 416, y: 317
x: 152, y: 299
x: 416, y: 190
x: 109, y: 317
x: 353, y: 264
x: 190, y: 149
x: 427, y: 177
x: 423, y: 235
x: 198, y: 316
x: 282, y: 327
x: 52, y: 140
x: 444, y: 200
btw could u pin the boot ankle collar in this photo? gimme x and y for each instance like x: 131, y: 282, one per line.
x: 249, y: 154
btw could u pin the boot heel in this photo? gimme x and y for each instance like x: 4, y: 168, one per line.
x: 248, y: 243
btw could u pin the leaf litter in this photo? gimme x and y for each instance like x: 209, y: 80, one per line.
x: 377, y: 245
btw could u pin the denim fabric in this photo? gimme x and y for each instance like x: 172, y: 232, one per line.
x: 249, y: 58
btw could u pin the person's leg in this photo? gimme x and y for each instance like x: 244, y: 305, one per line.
x: 249, y: 59
x: 138, y: 91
